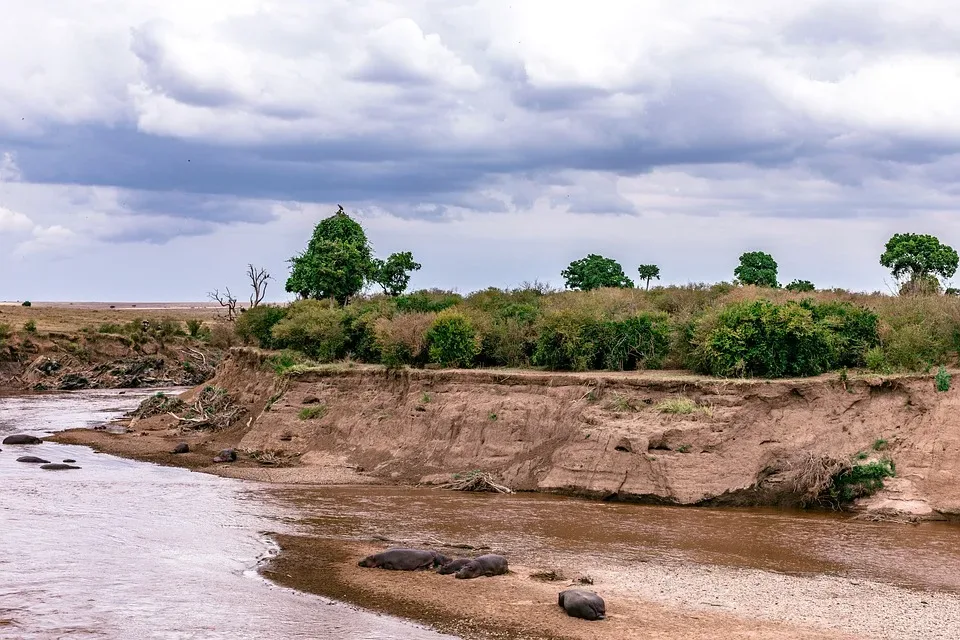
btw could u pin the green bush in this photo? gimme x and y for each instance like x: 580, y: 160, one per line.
x: 854, y: 330
x: 360, y: 324
x: 452, y: 340
x: 26, y: 303
x: 313, y: 327
x: 30, y: 326
x: 257, y: 325
x: 574, y: 341
x: 765, y: 339
x: 861, y: 480
x: 942, y: 379
x: 402, y: 339
x: 566, y: 341
x: 432, y: 301
x: 194, y: 327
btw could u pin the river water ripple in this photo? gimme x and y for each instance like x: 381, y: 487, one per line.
x: 130, y: 550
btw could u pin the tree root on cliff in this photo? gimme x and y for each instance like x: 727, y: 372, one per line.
x: 475, y: 481
x: 813, y: 474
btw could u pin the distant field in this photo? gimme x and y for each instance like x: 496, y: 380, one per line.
x: 71, y: 316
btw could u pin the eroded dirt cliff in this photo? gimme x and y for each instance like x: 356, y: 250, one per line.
x: 601, y: 435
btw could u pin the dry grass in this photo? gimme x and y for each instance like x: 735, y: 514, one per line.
x: 68, y: 318
x: 682, y: 406
x: 813, y: 474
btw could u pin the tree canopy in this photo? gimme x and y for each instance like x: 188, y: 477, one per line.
x: 800, y: 286
x: 757, y: 268
x: 649, y: 272
x: 918, y: 258
x: 338, y: 262
x: 393, y: 274
x: 594, y: 272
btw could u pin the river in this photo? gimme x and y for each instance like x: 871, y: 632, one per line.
x: 124, y: 549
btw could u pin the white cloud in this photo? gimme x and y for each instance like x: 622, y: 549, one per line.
x: 13, y: 222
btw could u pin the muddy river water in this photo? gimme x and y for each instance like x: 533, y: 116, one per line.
x: 123, y: 549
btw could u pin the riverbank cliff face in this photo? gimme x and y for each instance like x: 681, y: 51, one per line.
x: 605, y: 435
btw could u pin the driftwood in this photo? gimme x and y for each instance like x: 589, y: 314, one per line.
x: 475, y: 481
x: 213, y: 409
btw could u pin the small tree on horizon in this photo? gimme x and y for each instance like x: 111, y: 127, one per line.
x: 393, y: 274
x: 919, y: 261
x: 800, y: 286
x: 757, y: 268
x: 594, y: 272
x: 649, y: 272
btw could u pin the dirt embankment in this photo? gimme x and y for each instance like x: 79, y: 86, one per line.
x: 608, y: 436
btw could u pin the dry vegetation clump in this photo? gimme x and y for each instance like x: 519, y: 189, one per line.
x: 682, y: 406
x: 813, y: 475
x: 157, y: 404
x: 213, y: 409
x: 475, y: 481
x: 402, y: 339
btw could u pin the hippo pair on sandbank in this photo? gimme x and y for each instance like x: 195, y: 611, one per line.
x: 399, y: 559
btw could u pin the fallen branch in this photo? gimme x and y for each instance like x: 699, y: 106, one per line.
x: 476, y: 481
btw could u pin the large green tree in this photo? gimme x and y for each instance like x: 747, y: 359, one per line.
x: 917, y: 260
x: 393, y: 274
x: 594, y: 272
x: 649, y: 272
x: 757, y: 268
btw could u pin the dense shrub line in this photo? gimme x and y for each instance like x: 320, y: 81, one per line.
x: 719, y: 330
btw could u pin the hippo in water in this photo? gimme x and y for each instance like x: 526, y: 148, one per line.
x: 404, y: 560
x: 453, y: 566
x: 32, y: 460
x: 580, y: 603
x: 490, y: 564
x: 57, y: 466
x: 22, y: 438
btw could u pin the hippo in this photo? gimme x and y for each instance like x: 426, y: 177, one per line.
x: 404, y: 560
x: 183, y: 447
x: 69, y: 460
x: 57, y: 466
x: 227, y: 455
x: 22, y: 438
x: 580, y: 603
x: 453, y: 566
x: 490, y: 564
x: 32, y: 460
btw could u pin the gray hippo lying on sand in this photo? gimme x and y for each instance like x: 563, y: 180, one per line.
x: 454, y: 565
x: 486, y: 565
x: 404, y: 560
x: 580, y: 603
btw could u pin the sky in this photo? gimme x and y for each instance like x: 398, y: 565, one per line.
x: 151, y: 149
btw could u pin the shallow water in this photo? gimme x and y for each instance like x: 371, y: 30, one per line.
x: 548, y: 529
x: 123, y: 549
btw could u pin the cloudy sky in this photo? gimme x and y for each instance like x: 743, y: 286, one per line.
x: 150, y: 149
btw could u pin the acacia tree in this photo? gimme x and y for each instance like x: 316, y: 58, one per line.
x: 393, y: 274
x: 918, y: 261
x: 649, y: 272
x: 594, y: 272
x: 757, y: 268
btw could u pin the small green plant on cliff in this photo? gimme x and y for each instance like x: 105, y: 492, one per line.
x: 684, y: 448
x: 622, y: 404
x: 193, y: 328
x: 313, y: 413
x: 681, y: 406
x: 30, y: 326
x: 879, y: 444
x: 942, y: 379
x: 860, y: 480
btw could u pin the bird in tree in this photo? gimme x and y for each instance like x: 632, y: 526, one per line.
x: 594, y: 272
x: 649, y: 272
x: 918, y: 260
x: 757, y: 268
x: 393, y: 274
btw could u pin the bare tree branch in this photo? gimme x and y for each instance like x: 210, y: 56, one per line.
x: 258, y: 280
x: 226, y: 300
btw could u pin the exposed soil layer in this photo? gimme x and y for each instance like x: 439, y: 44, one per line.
x: 511, y: 606
x: 608, y: 436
